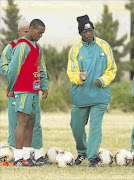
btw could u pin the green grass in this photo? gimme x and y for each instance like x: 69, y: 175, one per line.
x: 117, y: 128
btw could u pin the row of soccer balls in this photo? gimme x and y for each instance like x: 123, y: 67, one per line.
x: 65, y: 158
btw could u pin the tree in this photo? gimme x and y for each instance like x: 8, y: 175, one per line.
x: 56, y: 62
x: 107, y: 30
x: 130, y: 6
x: 11, y: 20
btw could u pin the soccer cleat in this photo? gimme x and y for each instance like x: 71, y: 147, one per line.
x: 5, y: 163
x: 79, y: 159
x: 32, y: 154
x: 21, y: 162
x: 94, y: 163
x: 31, y: 162
x: 41, y: 161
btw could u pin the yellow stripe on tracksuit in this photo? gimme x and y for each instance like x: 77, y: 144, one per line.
x: 22, y: 48
x: 5, y: 68
x: 22, y: 102
x: 43, y: 64
x: 73, y: 69
x: 111, y: 69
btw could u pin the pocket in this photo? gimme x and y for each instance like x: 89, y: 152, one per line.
x: 12, y: 101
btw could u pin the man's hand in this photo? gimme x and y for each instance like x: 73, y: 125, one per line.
x: 44, y: 94
x: 11, y: 94
x: 83, y: 75
x: 97, y: 83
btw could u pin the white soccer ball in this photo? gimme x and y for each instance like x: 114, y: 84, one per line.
x: 6, y: 153
x: 2, y: 144
x: 123, y: 157
x: 64, y: 159
x: 106, y: 157
x: 52, y: 153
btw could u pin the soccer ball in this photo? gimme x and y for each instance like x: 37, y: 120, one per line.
x: 64, y: 159
x: 6, y: 153
x: 52, y: 153
x: 123, y: 157
x: 106, y: 157
x: 2, y: 144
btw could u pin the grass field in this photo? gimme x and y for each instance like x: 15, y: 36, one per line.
x: 117, y: 128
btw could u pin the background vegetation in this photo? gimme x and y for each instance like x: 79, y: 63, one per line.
x: 107, y: 29
x: 59, y: 96
x: 56, y: 62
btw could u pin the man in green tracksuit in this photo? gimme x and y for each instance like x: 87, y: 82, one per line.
x: 37, y: 143
x: 91, y: 68
x: 6, y: 56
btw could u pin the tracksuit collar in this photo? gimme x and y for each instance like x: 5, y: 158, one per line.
x: 88, y: 44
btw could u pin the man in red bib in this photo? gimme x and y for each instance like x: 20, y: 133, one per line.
x: 26, y: 77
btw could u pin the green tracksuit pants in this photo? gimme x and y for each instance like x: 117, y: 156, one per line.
x: 37, y: 132
x: 79, y: 118
x: 12, y: 119
x: 132, y: 140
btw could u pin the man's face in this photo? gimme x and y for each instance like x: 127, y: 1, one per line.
x: 22, y: 32
x: 87, y: 35
x: 36, y: 33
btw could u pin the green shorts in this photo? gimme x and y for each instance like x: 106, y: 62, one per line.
x: 27, y: 102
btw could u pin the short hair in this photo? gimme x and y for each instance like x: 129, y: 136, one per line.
x: 23, y: 23
x: 36, y: 22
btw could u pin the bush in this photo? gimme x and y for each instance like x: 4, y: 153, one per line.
x: 3, y: 98
x: 58, y: 95
x: 121, y: 96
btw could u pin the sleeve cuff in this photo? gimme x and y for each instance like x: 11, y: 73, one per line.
x: 44, y: 88
x: 102, y: 82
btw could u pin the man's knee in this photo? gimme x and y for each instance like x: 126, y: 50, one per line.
x: 23, y: 118
x: 32, y: 119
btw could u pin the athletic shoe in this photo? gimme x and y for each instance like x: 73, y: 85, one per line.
x: 31, y: 162
x: 21, y: 162
x: 32, y: 155
x: 94, y: 163
x: 79, y: 159
x: 41, y: 161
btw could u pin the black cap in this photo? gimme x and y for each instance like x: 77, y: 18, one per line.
x: 84, y: 23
